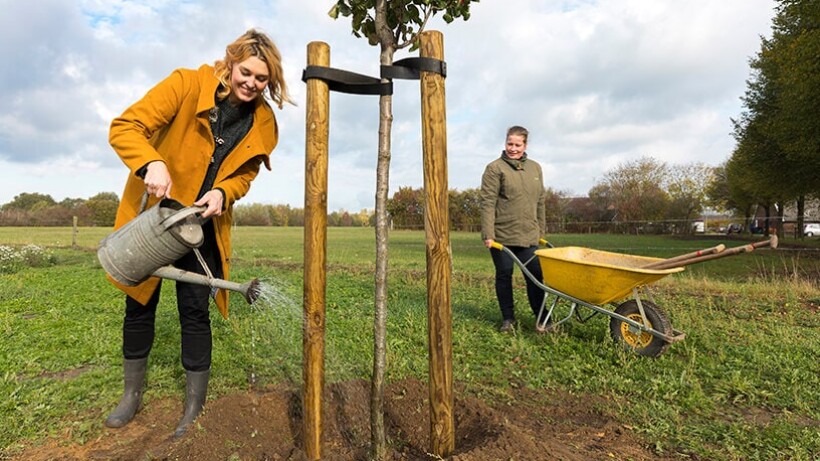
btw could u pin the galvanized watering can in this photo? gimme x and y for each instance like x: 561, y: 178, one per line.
x: 148, y: 245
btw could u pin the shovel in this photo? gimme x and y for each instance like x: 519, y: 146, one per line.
x: 667, y: 264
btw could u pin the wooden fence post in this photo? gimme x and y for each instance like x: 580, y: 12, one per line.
x: 74, y: 232
x: 439, y: 257
x: 315, y: 255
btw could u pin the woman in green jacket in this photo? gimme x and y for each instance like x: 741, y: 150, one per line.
x: 198, y: 137
x: 513, y: 214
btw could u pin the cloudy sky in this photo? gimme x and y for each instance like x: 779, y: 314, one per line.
x: 597, y: 82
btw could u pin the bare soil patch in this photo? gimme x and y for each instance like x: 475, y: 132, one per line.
x: 266, y: 425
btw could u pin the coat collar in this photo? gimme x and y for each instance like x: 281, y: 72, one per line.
x: 517, y: 164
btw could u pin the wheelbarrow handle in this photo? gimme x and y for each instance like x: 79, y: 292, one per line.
x: 542, y: 242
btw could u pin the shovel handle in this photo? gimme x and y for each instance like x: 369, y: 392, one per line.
x: 772, y: 242
x: 683, y: 257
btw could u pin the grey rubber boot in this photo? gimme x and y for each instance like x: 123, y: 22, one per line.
x: 134, y: 373
x: 196, y: 387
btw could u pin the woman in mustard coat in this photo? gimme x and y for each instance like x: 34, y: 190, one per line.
x: 198, y: 137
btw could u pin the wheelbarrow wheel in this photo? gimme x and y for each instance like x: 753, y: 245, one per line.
x: 640, y: 342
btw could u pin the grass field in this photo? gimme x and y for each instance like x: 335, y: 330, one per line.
x: 743, y: 385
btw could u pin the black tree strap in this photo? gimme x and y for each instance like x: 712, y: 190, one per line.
x: 347, y: 82
x: 410, y: 68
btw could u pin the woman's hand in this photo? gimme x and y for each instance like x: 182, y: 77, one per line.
x: 489, y: 243
x: 157, y: 179
x: 213, y: 200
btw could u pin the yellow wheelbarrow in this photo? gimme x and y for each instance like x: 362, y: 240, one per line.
x: 593, y: 279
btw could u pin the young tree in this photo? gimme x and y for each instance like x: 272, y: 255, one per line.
x: 392, y: 25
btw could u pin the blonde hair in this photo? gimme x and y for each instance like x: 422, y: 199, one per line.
x: 518, y: 131
x: 253, y: 44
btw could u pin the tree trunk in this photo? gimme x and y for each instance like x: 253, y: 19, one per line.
x: 377, y: 437
x: 801, y: 210
x: 778, y: 225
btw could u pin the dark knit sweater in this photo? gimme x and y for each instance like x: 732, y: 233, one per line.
x: 229, y: 124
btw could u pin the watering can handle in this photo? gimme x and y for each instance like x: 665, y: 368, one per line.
x: 184, y: 213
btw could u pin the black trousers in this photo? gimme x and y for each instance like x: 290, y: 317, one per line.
x: 504, y: 265
x: 192, y: 305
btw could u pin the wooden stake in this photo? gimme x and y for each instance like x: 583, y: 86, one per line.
x: 315, y: 256
x: 439, y: 258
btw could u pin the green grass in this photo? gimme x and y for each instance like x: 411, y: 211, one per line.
x: 743, y: 385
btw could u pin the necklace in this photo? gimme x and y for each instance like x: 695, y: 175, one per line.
x: 216, y: 122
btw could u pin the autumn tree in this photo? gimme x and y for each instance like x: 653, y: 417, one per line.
x: 406, y: 208
x: 29, y: 202
x: 103, y: 208
x: 635, y: 191
x: 687, y: 185
x: 465, y: 209
x: 555, y: 205
x: 252, y: 214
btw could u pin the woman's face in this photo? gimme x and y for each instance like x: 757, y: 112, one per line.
x: 248, y: 80
x: 515, y: 146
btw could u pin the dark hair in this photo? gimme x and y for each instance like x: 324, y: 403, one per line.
x: 518, y: 131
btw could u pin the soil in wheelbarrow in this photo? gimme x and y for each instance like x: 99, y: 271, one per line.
x: 266, y: 425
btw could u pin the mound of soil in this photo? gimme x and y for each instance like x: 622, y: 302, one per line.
x: 267, y: 426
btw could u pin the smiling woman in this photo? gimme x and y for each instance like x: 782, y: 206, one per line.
x: 198, y: 137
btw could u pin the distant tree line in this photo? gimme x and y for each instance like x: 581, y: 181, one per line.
x: 639, y: 196
x: 34, y: 209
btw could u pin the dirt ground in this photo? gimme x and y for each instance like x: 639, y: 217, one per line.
x: 266, y: 425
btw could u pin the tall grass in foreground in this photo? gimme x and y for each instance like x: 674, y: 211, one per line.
x: 743, y: 385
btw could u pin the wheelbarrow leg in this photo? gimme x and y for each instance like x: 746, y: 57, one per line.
x: 541, y: 320
x: 640, y: 308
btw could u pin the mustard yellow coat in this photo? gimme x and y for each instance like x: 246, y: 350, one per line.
x: 170, y: 123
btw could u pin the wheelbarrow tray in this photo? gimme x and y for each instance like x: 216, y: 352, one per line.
x: 595, y: 276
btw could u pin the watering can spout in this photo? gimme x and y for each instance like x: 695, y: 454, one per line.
x: 249, y: 290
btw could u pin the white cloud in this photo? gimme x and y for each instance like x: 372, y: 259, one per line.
x: 596, y: 82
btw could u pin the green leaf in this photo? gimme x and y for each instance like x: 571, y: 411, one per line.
x: 334, y: 12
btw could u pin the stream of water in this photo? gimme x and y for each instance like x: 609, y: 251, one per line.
x: 275, y: 313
